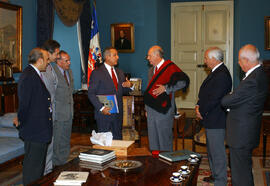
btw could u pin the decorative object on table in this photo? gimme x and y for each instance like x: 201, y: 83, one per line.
x: 121, y: 147
x: 177, y: 155
x: 137, y: 83
x: 109, y: 101
x: 125, y: 165
x: 11, y: 35
x: 122, y: 37
x: 71, y: 178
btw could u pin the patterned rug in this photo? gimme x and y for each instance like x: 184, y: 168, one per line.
x: 261, y: 175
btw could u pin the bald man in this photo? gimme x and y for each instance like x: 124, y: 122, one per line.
x: 246, y: 104
x: 165, y: 78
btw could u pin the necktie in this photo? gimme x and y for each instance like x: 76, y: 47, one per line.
x: 156, y: 69
x: 114, y: 79
x: 65, y: 76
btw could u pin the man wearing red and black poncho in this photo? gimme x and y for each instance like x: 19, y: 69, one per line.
x: 165, y: 78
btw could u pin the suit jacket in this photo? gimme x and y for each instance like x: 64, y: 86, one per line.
x: 101, y: 83
x: 125, y: 45
x: 246, y: 104
x: 63, y: 96
x: 34, y: 112
x: 213, y: 89
x: 50, y: 80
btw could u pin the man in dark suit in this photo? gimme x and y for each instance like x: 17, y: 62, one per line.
x: 108, y: 80
x: 122, y: 42
x: 245, y: 106
x: 212, y: 115
x: 34, y: 115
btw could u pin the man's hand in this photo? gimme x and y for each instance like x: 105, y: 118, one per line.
x: 106, y: 111
x: 198, y: 114
x: 159, y: 90
x: 16, y: 121
x: 127, y: 84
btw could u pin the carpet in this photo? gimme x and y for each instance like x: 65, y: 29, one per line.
x: 261, y: 175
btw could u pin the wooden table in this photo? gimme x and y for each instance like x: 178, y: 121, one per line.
x: 154, y: 171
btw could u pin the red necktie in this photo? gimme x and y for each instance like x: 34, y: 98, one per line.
x: 114, y: 79
x: 156, y: 69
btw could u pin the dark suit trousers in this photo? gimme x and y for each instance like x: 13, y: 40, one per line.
x: 112, y: 124
x: 217, y: 155
x: 241, y: 167
x: 34, y: 161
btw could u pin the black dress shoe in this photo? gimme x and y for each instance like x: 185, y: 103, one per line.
x: 209, y: 179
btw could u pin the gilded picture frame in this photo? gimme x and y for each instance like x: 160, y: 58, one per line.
x: 11, y: 35
x: 122, y: 37
x: 267, y: 32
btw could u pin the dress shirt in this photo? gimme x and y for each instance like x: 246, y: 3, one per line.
x: 108, y: 67
x: 216, y: 67
x: 36, y: 70
x: 251, y: 70
x: 159, y: 65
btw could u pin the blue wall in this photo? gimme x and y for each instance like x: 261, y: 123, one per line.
x: 67, y: 37
x: 151, y: 21
x: 28, y: 29
x: 249, y: 28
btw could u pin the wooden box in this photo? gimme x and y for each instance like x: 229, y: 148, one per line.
x: 121, y: 148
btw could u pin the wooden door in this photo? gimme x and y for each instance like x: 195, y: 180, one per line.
x: 196, y: 27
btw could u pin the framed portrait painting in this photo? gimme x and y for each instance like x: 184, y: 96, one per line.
x: 267, y: 32
x: 122, y: 37
x: 11, y: 35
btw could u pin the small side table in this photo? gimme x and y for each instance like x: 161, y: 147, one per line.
x: 178, y: 128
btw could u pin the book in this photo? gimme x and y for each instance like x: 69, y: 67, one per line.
x: 71, y: 178
x: 95, y: 166
x: 109, y: 101
x: 177, y: 155
x: 100, y: 154
x: 98, y: 161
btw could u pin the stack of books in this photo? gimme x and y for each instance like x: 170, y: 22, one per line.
x: 97, y: 159
x: 71, y: 178
x: 95, y: 166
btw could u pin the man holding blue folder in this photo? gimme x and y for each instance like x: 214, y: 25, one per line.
x: 108, y: 81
